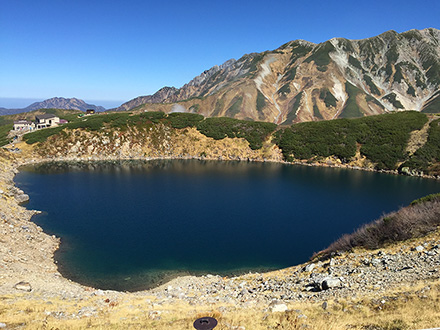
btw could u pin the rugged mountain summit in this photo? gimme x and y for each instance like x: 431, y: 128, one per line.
x: 303, y: 81
x: 63, y: 103
x: 55, y: 103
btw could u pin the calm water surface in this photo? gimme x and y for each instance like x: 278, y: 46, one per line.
x: 132, y: 226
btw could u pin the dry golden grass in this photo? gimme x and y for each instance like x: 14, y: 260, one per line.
x: 413, y: 307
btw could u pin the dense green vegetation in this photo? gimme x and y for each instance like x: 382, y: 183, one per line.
x: 372, y: 85
x: 285, y: 89
x: 235, y: 108
x: 316, y: 112
x: 428, y: 198
x: 6, y: 125
x: 253, y: 131
x: 295, y: 106
x: 392, y: 98
x: 290, y: 74
x: 327, y: 97
x: 261, y: 101
x: 351, y: 108
x: 427, y: 156
x: 355, y: 62
x: 182, y: 119
x: 433, y: 105
x: 369, y: 98
x: 411, y: 91
x: 41, y: 135
x: 219, y: 105
x: 382, y: 139
x: 321, y: 56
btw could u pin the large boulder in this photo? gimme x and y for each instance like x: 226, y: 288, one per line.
x: 330, y: 283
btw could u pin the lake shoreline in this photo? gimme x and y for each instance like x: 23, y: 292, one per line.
x: 32, y: 261
x: 121, y: 161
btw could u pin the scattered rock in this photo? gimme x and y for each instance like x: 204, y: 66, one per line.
x: 419, y: 248
x: 324, y: 305
x: 23, y: 286
x: 21, y: 198
x: 279, y: 308
x: 330, y: 283
x: 309, y: 267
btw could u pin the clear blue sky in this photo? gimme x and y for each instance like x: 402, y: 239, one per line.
x: 117, y: 50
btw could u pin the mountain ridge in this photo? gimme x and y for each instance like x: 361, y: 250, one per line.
x: 55, y: 103
x: 304, y: 81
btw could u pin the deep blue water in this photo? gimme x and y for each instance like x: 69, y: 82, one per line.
x: 133, y: 226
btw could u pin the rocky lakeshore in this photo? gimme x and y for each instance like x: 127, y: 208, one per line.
x: 29, y: 273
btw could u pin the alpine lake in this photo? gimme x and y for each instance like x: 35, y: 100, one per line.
x: 133, y: 225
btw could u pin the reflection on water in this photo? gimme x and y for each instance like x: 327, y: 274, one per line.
x: 131, y: 225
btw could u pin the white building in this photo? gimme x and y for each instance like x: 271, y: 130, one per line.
x: 46, y: 120
x: 23, y: 125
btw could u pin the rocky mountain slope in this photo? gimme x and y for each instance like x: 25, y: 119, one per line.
x: 303, y: 81
x: 55, y: 103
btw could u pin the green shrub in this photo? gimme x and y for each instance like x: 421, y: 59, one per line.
x: 261, y: 101
x: 220, y: 127
x: 316, y: 112
x: 235, y: 108
x: 183, y: 119
x: 429, y: 154
x: 355, y: 62
x: 351, y: 108
x: 433, y: 104
x: 383, y: 138
x: 370, y: 83
x: 41, y: 135
x: 295, y: 106
x: 428, y: 198
x: 327, y: 97
x: 321, y: 56
x: 392, y: 98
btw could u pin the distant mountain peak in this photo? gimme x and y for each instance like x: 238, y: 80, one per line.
x: 55, y: 103
x: 63, y: 103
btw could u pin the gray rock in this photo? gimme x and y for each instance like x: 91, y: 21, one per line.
x: 2, y: 325
x: 330, y: 283
x: 309, y: 267
x: 277, y: 308
x: 23, y: 286
x: 324, y: 305
x: 22, y: 198
x: 419, y: 248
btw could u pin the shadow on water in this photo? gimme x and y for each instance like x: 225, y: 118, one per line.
x: 133, y: 225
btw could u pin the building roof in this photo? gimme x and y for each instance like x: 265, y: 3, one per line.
x: 22, y: 121
x: 45, y: 116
